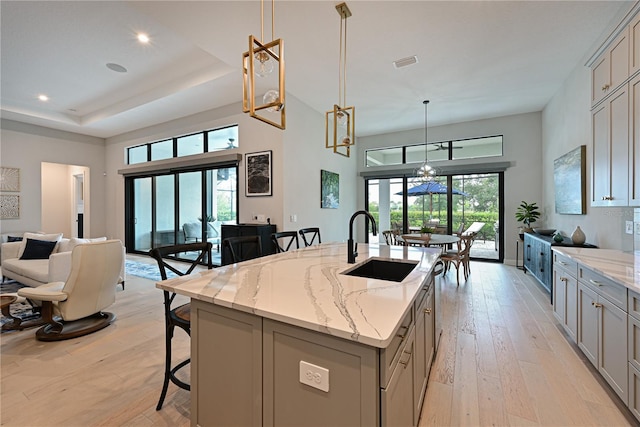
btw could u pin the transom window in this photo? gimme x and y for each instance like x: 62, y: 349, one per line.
x: 197, y: 143
x: 490, y: 146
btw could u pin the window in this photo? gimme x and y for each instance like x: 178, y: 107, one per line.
x: 435, y: 151
x: 225, y: 138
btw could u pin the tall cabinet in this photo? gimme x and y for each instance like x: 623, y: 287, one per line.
x: 615, y: 112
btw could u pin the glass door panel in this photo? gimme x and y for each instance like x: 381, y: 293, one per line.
x: 427, y: 204
x: 142, y: 214
x: 165, y: 229
x: 385, y: 204
x: 190, y: 206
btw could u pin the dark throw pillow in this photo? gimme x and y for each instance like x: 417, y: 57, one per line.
x: 38, y: 249
x: 14, y: 239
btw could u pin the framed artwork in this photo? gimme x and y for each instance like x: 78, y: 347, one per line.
x: 329, y: 190
x: 569, y: 178
x: 9, y: 206
x: 9, y: 179
x: 259, y: 176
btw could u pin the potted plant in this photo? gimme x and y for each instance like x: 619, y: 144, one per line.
x: 526, y: 214
x: 426, y: 230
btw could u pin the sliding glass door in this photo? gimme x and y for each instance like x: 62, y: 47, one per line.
x: 179, y: 207
x: 446, y: 204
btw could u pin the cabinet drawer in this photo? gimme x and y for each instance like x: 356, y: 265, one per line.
x: 611, y: 290
x: 560, y: 260
x: 389, y: 356
x: 634, y: 306
x: 634, y: 391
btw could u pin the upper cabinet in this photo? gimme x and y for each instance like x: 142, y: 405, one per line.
x: 634, y: 45
x: 634, y: 140
x: 611, y: 69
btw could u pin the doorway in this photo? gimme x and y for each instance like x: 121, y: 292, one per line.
x: 65, y: 199
x: 445, y: 204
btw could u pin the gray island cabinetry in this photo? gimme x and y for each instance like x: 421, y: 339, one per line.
x: 289, y: 339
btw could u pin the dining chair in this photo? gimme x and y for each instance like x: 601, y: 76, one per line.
x: 243, y: 248
x: 287, y: 238
x: 389, y: 237
x: 309, y: 235
x: 177, y: 316
x: 459, y: 257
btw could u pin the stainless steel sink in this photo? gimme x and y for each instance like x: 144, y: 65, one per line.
x: 381, y: 269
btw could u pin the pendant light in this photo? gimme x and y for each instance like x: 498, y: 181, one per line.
x: 340, y: 121
x: 258, y: 66
x: 425, y: 172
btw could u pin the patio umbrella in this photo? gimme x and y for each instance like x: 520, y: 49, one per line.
x: 430, y: 188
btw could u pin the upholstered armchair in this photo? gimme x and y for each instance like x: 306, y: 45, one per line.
x: 74, y: 308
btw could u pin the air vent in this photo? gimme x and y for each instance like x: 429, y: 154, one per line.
x: 405, y: 61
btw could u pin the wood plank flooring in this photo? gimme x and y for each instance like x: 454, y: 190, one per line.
x: 502, y: 361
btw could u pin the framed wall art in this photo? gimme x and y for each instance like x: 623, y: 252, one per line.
x: 569, y: 178
x: 9, y: 206
x: 259, y: 176
x: 9, y: 179
x: 329, y: 190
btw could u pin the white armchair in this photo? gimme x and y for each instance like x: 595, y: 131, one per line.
x: 79, y: 301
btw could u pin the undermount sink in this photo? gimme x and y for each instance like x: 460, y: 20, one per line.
x: 381, y: 269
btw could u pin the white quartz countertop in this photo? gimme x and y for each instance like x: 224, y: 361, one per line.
x: 622, y: 267
x: 306, y: 288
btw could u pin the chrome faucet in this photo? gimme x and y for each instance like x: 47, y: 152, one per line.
x: 352, y: 252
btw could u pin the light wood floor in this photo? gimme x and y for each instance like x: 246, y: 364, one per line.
x: 502, y: 361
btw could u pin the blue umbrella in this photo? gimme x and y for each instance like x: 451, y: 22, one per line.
x: 430, y: 188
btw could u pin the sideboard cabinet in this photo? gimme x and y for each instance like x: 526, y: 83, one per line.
x: 235, y: 230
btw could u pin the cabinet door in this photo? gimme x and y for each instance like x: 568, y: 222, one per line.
x: 612, y: 359
x: 633, y: 343
x: 610, y: 69
x: 610, y: 148
x: 571, y: 307
x: 634, y: 136
x: 545, y: 265
x: 634, y: 45
x: 634, y: 391
x: 420, y: 358
x: 560, y: 277
x: 397, y: 398
x: 588, y: 323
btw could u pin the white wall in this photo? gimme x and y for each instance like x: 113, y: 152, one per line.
x: 522, y: 147
x: 298, y: 156
x: 566, y: 121
x: 27, y: 147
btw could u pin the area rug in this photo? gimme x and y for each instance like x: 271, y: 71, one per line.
x: 23, y: 310
x: 147, y: 271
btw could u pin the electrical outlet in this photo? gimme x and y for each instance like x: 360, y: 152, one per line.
x: 314, y: 376
x: 637, y: 224
x: 628, y: 227
x: 261, y: 218
x: 293, y: 218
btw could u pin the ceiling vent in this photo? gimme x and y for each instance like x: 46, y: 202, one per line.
x: 405, y: 61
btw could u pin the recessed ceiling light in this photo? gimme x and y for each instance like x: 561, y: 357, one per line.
x: 143, y: 38
x: 116, y: 67
x: 43, y: 98
x: 405, y: 61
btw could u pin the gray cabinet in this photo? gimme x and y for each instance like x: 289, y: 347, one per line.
x: 602, y: 327
x: 565, y: 293
x: 610, y: 69
x: 235, y: 230
x: 249, y: 370
x: 537, y: 258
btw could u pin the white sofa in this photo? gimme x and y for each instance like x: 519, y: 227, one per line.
x: 36, y: 272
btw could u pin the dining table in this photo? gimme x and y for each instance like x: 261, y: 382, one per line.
x: 430, y: 239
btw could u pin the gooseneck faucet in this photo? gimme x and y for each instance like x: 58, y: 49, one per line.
x: 351, y: 251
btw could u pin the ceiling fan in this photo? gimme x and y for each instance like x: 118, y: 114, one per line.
x: 440, y: 146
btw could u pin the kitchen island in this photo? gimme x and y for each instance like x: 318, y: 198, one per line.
x: 288, y: 339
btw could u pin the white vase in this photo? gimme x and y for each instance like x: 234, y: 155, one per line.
x: 578, y: 237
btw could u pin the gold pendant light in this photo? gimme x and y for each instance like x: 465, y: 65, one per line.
x: 258, y: 64
x: 340, y: 122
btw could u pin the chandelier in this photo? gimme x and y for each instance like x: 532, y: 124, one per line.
x: 340, y: 121
x: 258, y: 65
x: 425, y: 172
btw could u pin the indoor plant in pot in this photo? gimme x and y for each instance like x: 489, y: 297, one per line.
x: 526, y: 214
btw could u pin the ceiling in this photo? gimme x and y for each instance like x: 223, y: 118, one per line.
x: 476, y: 59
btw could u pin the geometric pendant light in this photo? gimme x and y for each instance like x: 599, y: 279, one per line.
x: 263, y: 91
x: 340, y: 121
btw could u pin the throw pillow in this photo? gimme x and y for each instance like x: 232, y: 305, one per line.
x: 38, y: 249
x: 36, y: 236
x: 14, y: 239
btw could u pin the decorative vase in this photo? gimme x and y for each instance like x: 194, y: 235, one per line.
x: 578, y: 237
x: 558, y: 237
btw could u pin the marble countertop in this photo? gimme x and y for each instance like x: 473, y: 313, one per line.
x: 306, y: 288
x: 622, y: 267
